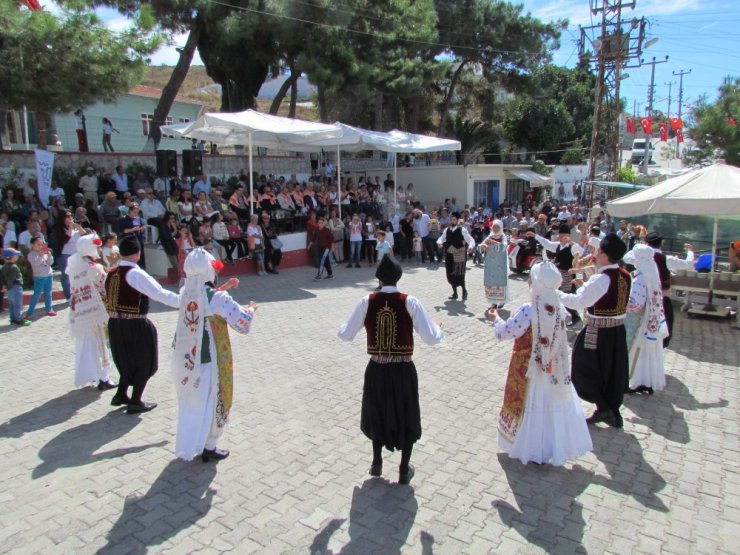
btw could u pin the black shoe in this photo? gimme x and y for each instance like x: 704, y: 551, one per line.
x: 215, y: 454
x: 141, y: 406
x: 272, y: 271
x: 330, y: 276
x: 599, y: 416
x: 405, y: 477
x: 465, y: 295
x: 617, y: 421
x: 376, y: 469
x: 349, y: 265
x: 104, y: 386
x: 453, y: 297
x: 357, y: 264
x: 117, y: 401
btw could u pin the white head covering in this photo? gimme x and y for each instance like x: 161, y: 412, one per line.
x: 549, y: 338
x: 194, y: 309
x: 87, y: 246
x: 499, y: 236
x: 653, y: 320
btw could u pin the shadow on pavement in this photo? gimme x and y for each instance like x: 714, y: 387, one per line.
x: 179, y: 497
x: 78, y: 446
x: 658, y: 412
x: 547, y: 496
x: 51, y: 413
x: 454, y: 308
x: 380, y: 519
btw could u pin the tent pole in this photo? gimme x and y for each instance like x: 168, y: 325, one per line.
x: 251, y: 178
x: 395, y: 183
x: 339, y: 183
x: 710, y: 307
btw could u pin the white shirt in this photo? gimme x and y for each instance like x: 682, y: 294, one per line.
x: 147, y: 285
x: 564, y: 215
x: 58, y: 192
x: 151, y: 208
x: 552, y: 246
x: 422, y: 225
x: 466, y: 235
x: 674, y: 263
x: 24, y: 239
x: 429, y: 332
x: 590, y: 292
x: 121, y: 182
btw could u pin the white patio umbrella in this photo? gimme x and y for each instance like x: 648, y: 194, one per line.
x: 252, y: 128
x: 711, y: 191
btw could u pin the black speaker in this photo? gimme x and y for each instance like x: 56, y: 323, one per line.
x: 192, y: 163
x: 166, y: 163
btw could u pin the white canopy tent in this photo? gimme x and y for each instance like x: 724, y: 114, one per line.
x: 355, y: 139
x: 711, y: 191
x: 252, y: 128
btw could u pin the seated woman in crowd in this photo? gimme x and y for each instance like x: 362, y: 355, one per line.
x: 285, y: 200
x: 185, y: 207
x: 202, y: 207
x: 268, y: 201
x: 297, y: 195
x: 309, y: 198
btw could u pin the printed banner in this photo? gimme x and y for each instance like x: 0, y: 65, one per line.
x: 44, y: 169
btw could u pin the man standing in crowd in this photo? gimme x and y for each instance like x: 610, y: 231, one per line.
x: 453, y: 241
x: 133, y: 337
x: 600, y: 365
x: 121, y: 180
x: 89, y: 186
x: 391, y: 415
x: 665, y: 264
x: 422, y: 224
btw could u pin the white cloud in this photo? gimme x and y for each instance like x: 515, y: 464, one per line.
x: 168, y: 55
x: 576, y: 12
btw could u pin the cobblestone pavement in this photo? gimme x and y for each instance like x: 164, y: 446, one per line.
x: 79, y: 476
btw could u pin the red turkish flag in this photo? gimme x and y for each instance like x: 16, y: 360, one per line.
x: 631, y: 126
x: 679, y: 136
x: 647, y: 125
x: 676, y: 124
x: 33, y: 5
x: 732, y: 121
x: 663, y: 132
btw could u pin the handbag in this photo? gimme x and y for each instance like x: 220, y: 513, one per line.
x: 276, y: 243
x: 251, y: 242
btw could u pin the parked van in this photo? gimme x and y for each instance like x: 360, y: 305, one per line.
x: 638, y: 151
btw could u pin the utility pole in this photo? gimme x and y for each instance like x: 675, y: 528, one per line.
x: 670, y: 86
x: 651, y: 95
x: 612, y: 46
x: 680, y: 104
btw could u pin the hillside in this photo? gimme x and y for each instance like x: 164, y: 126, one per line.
x: 199, y: 86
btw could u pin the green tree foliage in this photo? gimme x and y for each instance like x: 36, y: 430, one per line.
x: 494, y: 36
x: 626, y: 175
x: 474, y: 137
x: 540, y: 125
x: 713, y: 122
x: 46, y: 59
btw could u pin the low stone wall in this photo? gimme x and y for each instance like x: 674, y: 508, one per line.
x: 221, y: 165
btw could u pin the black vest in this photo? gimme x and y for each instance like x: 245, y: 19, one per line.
x: 454, y: 238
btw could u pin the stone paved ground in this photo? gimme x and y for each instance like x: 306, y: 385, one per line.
x: 80, y: 477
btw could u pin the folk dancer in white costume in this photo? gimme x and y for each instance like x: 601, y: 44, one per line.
x: 645, y: 323
x: 202, y: 362
x: 88, y: 317
x: 542, y: 419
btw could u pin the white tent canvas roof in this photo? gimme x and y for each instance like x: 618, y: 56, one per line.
x: 710, y: 191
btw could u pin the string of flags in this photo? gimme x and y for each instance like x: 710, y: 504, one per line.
x: 676, y: 124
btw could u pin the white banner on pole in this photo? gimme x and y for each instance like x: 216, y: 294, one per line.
x: 44, y: 169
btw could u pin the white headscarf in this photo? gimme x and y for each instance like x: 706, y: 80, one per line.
x: 549, y: 338
x: 87, y: 246
x: 194, y: 309
x: 499, y: 236
x: 653, y: 322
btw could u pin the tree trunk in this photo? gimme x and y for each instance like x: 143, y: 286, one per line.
x: 173, y: 87
x: 415, y: 114
x: 42, y: 124
x: 283, y: 90
x: 378, y: 118
x: 444, y: 110
x: 293, y: 96
x: 323, y: 112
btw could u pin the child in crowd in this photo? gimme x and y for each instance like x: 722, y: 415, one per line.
x: 389, y: 237
x: 417, y: 247
x: 185, y: 244
x: 12, y: 280
x: 383, y: 248
x: 256, y: 244
x: 324, y: 239
x: 235, y: 235
x: 40, y: 260
x: 221, y: 238
x: 110, y: 251
x: 370, y: 252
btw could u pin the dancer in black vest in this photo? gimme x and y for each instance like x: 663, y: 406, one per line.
x: 391, y: 416
x: 600, y: 360
x: 133, y: 337
x: 665, y: 264
x: 563, y: 251
x: 453, y: 241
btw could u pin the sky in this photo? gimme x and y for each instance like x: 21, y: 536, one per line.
x: 698, y: 35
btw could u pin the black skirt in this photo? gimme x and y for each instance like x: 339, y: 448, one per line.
x: 601, y: 375
x: 133, y: 345
x: 390, y: 404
